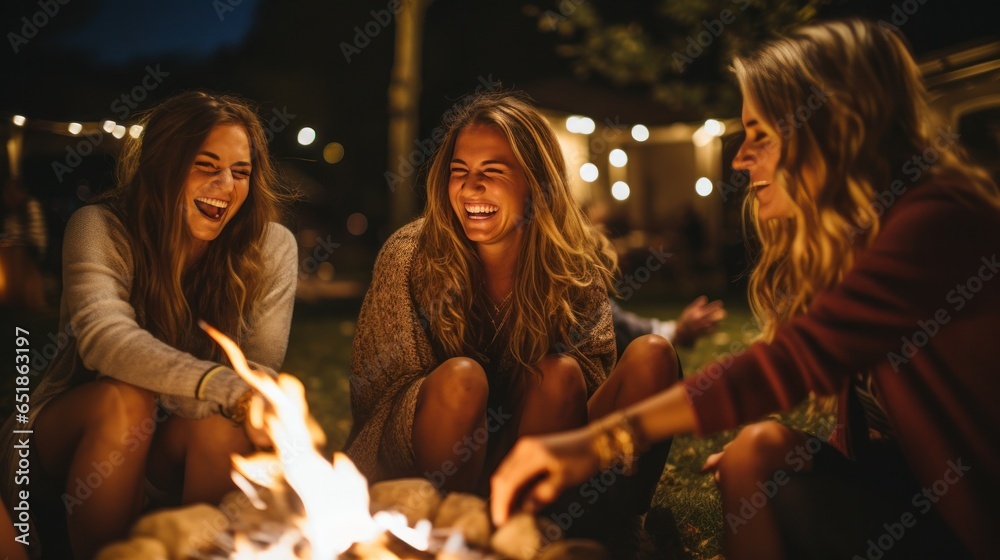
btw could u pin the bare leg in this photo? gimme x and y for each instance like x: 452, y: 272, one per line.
x: 451, y: 406
x: 9, y: 548
x: 648, y: 366
x: 90, y: 439
x: 192, y: 457
x: 757, y: 453
x: 555, y: 401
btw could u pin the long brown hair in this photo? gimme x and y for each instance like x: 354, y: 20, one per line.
x: 847, y: 100
x: 561, y: 256
x: 224, y: 283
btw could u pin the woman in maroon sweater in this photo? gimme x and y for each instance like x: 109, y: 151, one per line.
x: 879, y: 282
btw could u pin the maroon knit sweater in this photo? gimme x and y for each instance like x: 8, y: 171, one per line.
x: 920, y: 310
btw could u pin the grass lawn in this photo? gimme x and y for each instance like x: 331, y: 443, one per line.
x: 685, y: 517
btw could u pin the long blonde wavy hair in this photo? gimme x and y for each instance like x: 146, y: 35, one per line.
x: 851, y: 110
x: 224, y: 283
x: 562, y: 256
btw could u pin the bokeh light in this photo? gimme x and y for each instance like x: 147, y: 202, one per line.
x: 588, y: 172
x: 357, y: 223
x: 715, y: 128
x: 306, y: 136
x: 618, y: 157
x: 640, y: 133
x: 620, y: 190
x: 325, y: 271
x: 333, y: 152
x: 703, y: 186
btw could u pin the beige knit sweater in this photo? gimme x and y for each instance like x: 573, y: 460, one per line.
x: 393, y: 354
x: 104, y: 337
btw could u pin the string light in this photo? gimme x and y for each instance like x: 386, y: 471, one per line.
x: 620, y: 190
x: 640, y: 133
x: 715, y: 128
x: 306, y: 136
x: 703, y: 186
x: 618, y: 157
x: 588, y: 172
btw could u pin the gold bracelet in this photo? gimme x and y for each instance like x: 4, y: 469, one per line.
x: 602, y: 447
x: 621, y: 442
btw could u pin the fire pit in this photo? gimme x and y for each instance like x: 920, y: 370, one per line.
x: 293, y: 503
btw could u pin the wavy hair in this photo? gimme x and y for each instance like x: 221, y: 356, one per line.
x: 847, y: 100
x: 562, y: 255
x: 223, y: 284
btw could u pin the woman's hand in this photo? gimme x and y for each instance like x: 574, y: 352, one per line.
x: 712, y: 463
x: 539, y: 468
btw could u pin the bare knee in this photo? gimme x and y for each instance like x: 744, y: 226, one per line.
x: 119, y: 407
x: 652, y: 362
x: 457, y: 387
x: 214, y: 435
x: 760, y: 448
x: 561, y: 381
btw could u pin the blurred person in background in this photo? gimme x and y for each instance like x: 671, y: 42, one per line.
x: 22, y: 248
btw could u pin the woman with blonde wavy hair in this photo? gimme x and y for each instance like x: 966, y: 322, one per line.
x: 139, y: 407
x: 488, y: 318
x: 875, y: 283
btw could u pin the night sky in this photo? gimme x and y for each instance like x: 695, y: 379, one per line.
x: 120, y: 31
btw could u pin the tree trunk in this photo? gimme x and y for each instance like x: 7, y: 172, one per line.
x: 405, y: 158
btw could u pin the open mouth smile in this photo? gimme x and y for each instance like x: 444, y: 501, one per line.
x: 211, y: 208
x: 480, y: 210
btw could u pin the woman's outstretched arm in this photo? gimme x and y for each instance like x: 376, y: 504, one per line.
x: 539, y: 468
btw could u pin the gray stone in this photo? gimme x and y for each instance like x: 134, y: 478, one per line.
x: 416, y: 498
x: 524, y: 536
x: 467, y: 513
x: 139, y: 547
x: 184, y: 530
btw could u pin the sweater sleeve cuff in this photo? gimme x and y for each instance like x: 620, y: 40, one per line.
x: 222, y: 385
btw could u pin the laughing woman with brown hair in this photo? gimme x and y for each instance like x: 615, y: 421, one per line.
x: 488, y: 318
x: 140, y: 396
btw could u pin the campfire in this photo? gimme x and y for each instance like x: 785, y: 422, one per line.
x: 294, y: 503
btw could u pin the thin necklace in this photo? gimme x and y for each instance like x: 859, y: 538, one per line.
x: 496, y: 307
x: 503, y: 320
